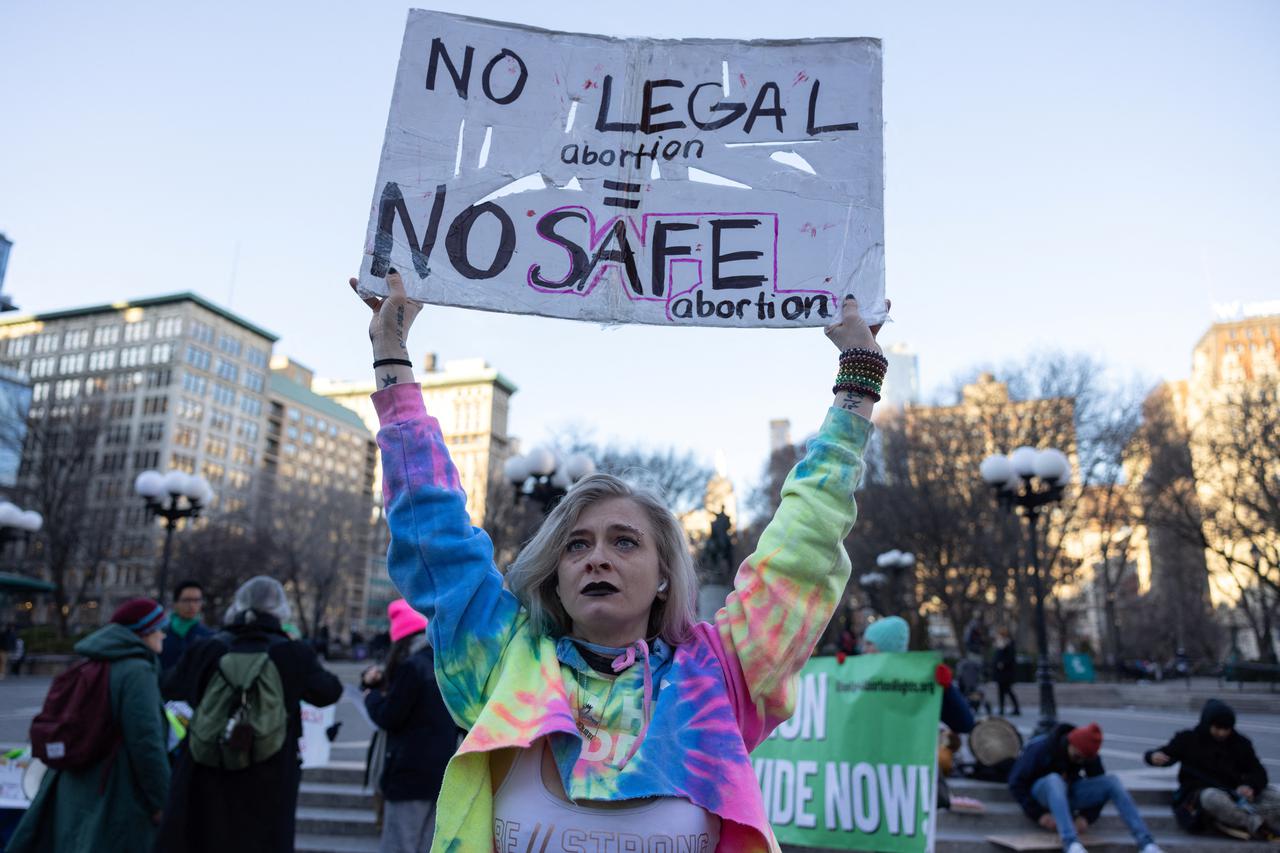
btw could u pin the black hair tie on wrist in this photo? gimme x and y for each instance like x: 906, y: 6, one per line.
x: 404, y: 361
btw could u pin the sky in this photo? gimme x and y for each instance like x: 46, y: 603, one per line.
x: 1088, y: 176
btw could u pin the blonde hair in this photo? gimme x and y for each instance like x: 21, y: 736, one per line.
x: 532, y: 577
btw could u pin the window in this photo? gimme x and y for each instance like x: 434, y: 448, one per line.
x: 202, y: 332
x: 242, y: 454
x: 96, y: 385
x: 47, y: 342
x: 140, y: 331
x: 197, y: 357
x: 216, y: 447
x: 75, y: 339
x: 294, y: 414
x: 248, y: 430
x: 159, y: 377
x: 238, y: 480
x: 257, y: 358
x: 223, y: 395
x: 160, y: 353
x: 229, y: 345
x: 145, y: 459
x: 105, y: 336
x: 102, y: 359
x: 185, y: 436
x: 191, y: 410
x: 228, y: 371
x: 151, y: 431
x: 195, y: 384
x: 71, y: 363
x: 310, y: 421
x: 39, y: 392
x: 124, y: 382
x: 219, y: 420
x: 182, y: 462
x: 133, y: 356
x: 113, y: 462
x: 168, y: 327
x: 66, y: 389
x: 292, y: 432
x: 253, y: 381
x: 20, y: 346
x: 155, y: 405
x: 213, y: 472
x: 43, y: 367
x: 251, y: 406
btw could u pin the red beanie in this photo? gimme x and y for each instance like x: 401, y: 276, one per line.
x: 404, y: 619
x: 141, y: 616
x: 1086, y: 739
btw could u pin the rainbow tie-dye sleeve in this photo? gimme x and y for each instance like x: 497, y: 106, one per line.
x: 440, y: 563
x: 784, y: 594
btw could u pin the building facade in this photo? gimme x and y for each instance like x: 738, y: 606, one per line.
x: 166, y: 382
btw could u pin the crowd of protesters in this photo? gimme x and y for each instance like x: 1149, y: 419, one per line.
x: 552, y: 670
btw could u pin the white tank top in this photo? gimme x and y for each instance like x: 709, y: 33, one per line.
x: 526, y: 816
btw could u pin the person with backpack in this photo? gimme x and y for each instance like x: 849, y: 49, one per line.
x: 102, y: 734
x: 236, y: 780
x: 405, y: 702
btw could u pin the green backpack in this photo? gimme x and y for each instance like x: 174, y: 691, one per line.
x: 241, y: 718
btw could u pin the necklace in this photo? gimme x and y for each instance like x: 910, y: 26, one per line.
x: 582, y: 715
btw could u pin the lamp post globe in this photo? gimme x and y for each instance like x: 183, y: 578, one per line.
x: 171, y: 496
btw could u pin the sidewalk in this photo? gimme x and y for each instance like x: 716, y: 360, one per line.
x: 1180, y: 695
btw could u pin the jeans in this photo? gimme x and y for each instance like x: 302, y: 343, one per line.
x: 407, y: 826
x: 1051, y: 792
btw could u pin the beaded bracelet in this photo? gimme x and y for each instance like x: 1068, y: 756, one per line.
x: 861, y: 370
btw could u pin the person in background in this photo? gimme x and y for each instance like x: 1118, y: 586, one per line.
x: 114, y: 804
x: 1005, y: 664
x: 1060, y: 783
x: 8, y: 645
x: 250, y: 809
x: 404, y: 701
x: 185, y: 625
x: 890, y: 635
x: 1221, y: 779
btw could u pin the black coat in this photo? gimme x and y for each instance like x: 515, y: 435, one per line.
x: 1044, y: 755
x: 1005, y: 663
x: 248, y: 810
x: 175, y: 647
x: 1207, y: 762
x: 421, y: 736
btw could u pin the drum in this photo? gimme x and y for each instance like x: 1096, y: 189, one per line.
x: 995, y: 744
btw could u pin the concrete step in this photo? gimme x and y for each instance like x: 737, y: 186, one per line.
x: 1105, y: 842
x: 336, y: 822
x: 335, y: 795
x: 1144, y: 794
x: 335, y: 844
x: 1008, y: 817
x: 339, y: 772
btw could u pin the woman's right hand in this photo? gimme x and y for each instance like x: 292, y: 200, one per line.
x: 393, y: 315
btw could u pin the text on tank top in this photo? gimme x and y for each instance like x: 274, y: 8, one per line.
x: 527, y: 816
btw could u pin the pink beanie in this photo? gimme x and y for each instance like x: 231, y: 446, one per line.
x: 404, y: 619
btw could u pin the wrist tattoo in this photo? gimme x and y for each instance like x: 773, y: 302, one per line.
x: 852, y: 400
x: 400, y: 325
x: 389, y: 380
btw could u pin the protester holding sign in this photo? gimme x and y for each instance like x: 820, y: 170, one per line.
x: 595, y: 704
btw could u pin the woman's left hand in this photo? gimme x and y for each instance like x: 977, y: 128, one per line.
x: 851, y: 331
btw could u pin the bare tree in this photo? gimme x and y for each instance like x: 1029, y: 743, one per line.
x: 1215, y: 484
x: 221, y: 553
x: 57, y: 478
x: 319, y: 541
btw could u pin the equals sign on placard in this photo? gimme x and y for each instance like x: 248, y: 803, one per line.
x: 616, y: 201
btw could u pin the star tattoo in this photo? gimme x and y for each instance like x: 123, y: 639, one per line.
x: 388, y: 380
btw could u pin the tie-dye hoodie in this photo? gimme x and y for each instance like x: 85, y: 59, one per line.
x: 714, y: 698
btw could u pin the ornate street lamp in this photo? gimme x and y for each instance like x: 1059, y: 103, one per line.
x: 540, y: 475
x: 896, y: 563
x: 173, y: 496
x: 872, y: 583
x: 1029, y: 479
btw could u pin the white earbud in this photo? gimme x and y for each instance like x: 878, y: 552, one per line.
x: 662, y: 587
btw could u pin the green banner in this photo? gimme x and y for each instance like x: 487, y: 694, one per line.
x: 853, y: 769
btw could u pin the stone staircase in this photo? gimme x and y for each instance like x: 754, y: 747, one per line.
x: 335, y: 811
x: 960, y: 832
x: 335, y: 815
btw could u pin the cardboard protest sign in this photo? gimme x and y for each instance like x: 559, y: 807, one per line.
x: 855, y: 766
x: 695, y: 182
